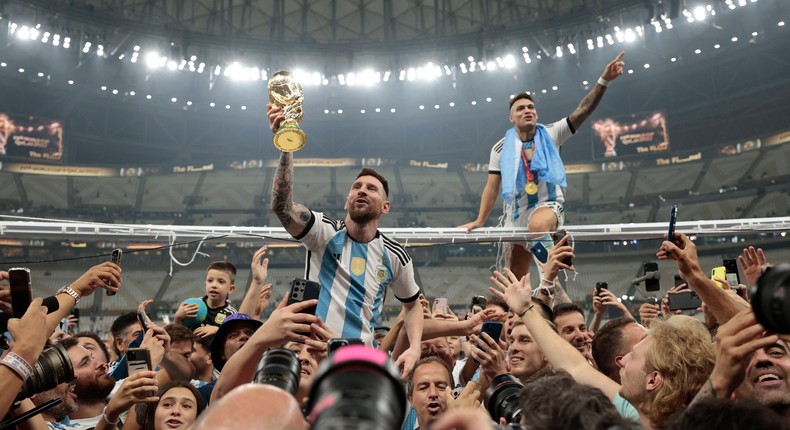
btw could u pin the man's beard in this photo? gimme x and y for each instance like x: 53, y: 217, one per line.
x: 58, y: 412
x: 98, y: 389
x: 362, y: 216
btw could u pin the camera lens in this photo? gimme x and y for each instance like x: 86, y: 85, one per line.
x: 52, y: 368
x: 501, y: 398
x: 771, y: 300
x: 281, y: 368
x: 357, y: 388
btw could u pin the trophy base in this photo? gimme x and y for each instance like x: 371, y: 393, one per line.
x: 289, y: 138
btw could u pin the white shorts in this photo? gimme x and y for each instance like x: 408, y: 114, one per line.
x: 523, y: 218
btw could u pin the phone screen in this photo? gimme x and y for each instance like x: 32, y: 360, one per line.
x: 138, y: 360
x: 21, y: 290
x: 731, y: 272
x: 651, y: 284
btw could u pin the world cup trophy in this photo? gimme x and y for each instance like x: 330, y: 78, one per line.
x: 286, y: 93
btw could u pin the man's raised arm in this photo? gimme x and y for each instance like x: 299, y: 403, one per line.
x: 591, y: 100
x: 293, y: 216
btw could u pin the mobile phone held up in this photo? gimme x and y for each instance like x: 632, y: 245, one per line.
x: 440, y: 304
x: 601, y: 286
x: 493, y: 328
x: 479, y: 301
x: 556, y: 238
x: 540, y: 252
x: 652, y: 283
x: 138, y: 360
x: 301, y: 290
x: 117, y: 253
x: 684, y: 300
x: 731, y: 272
x: 21, y: 290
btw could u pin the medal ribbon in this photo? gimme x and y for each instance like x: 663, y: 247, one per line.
x: 530, y: 174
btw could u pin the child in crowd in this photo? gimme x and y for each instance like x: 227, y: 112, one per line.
x: 220, y: 284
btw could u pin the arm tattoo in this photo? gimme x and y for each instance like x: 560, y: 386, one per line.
x: 560, y: 296
x: 282, y: 191
x: 587, y: 105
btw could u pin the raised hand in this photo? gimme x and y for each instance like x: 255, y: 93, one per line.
x: 614, y: 68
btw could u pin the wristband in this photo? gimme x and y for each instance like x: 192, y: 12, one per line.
x: 521, y: 315
x: 106, y: 418
x: 18, y: 365
x: 603, y: 82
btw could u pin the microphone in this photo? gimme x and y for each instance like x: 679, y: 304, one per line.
x: 50, y: 302
x: 647, y: 276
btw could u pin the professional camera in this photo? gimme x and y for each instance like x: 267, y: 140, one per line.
x: 357, y: 388
x: 501, y: 398
x: 771, y: 299
x: 52, y: 368
x: 281, y: 368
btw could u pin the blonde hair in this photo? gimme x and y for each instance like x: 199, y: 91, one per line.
x: 682, y: 352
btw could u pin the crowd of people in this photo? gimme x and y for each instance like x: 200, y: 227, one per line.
x: 522, y: 356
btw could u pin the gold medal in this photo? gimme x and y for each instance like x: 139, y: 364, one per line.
x: 531, y: 188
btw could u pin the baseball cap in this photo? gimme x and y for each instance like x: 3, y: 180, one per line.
x: 231, y: 322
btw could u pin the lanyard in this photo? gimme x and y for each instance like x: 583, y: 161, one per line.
x: 530, y: 174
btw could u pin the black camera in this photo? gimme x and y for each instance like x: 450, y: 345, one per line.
x: 52, y: 368
x: 501, y: 398
x: 281, y: 368
x: 771, y: 299
x: 357, y: 388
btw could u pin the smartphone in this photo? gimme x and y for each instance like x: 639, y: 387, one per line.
x: 679, y: 281
x: 478, y: 301
x: 334, y: 344
x: 684, y: 300
x: 556, y: 237
x: 731, y: 272
x: 540, y: 252
x: 673, y: 216
x: 143, y: 319
x: 138, y: 360
x: 718, y: 272
x: 76, y: 313
x: 601, y: 286
x: 21, y: 290
x: 301, y: 290
x: 652, y: 284
x: 117, y: 253
x: 440, y: 304
x: 493, y: 328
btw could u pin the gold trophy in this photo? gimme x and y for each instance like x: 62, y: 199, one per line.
x: 286, y: 93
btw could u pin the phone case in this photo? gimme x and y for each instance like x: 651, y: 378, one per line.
x: 493, y: 328
x: 684, y: 300
x: 540, y: 252
x: 116, y: 258
x: 302, y: 290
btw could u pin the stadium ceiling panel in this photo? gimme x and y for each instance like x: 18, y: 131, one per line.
x: 358, y: 25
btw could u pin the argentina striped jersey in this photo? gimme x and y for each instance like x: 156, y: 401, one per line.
x: 354, y: 276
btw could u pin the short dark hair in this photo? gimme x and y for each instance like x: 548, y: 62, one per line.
x: 224, y: 266
x: 552, y: 399
x: 69, y: 342
x: 179, y: 333
x: 423, y: 361
x: 205, y: 342
x: 495, y: 300
x: 367, y: 171
x: 98, y: 340
x: 120, y: 324
x: 545, y: 309
x: 520, y: 96
x: 561, y: 309
x: 607, y: 344
x: 726, y: 414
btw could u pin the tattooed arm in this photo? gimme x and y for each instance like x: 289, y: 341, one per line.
x: 293, y: 216
x: 591, y: 100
